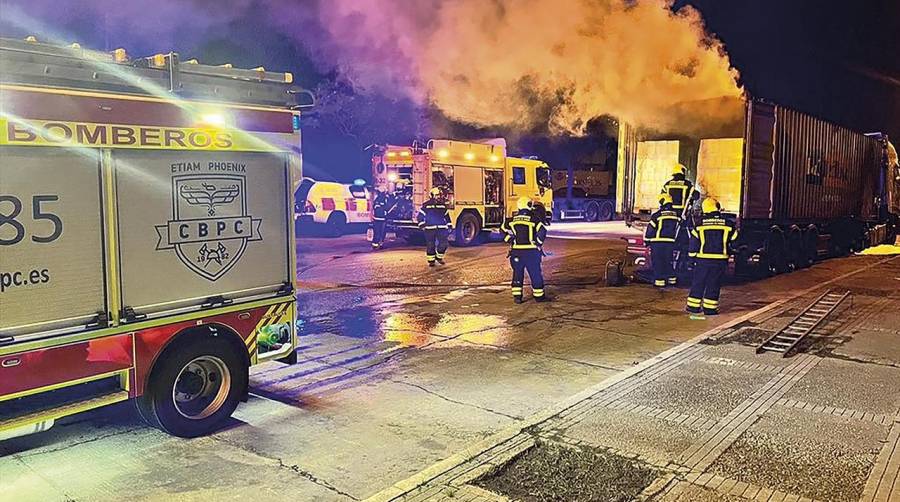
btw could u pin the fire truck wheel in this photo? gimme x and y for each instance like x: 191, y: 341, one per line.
x: 194, y: 388
x: 468, y: 230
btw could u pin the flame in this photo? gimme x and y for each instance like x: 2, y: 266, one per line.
x: 531, y: 63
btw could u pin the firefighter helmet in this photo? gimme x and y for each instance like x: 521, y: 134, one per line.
x: 679, y: 169
x: 523, y: 203
x: 710, y: 205
x: 435, y: 192
x: 665, y: 198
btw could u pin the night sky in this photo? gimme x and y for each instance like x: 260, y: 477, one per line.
x: 837, y: 60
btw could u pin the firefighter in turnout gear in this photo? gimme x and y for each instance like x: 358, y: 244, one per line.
x: 434, y: 220
x: 711, y: 241
x: 526, y: 233
x: 661, y: 234
x: 379, y: 217
x: 680, y: 189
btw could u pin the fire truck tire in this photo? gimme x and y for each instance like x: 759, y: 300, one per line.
x: 194, y: 387
x: 468, y: 230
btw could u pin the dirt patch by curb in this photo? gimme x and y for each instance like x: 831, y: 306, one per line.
x: 554, y: 472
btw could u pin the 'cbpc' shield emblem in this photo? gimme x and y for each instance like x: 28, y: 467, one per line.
x: 210, y: 228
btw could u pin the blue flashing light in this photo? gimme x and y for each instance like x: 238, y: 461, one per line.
x: 359, y: 182
x: 295, y: 120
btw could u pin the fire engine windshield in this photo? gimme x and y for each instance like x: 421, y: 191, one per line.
x: 543, y: 177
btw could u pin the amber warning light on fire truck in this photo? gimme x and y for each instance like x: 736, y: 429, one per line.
x: 146, y: 236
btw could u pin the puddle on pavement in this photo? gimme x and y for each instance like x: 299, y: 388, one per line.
x: 409, y: 329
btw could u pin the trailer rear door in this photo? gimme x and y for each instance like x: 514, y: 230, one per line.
x: 52, y: 272
x: 719, y: 168
x: 653, y: 168
x: 193, y: 226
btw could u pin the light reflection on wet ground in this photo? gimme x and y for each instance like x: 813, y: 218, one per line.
x: 405, y: 329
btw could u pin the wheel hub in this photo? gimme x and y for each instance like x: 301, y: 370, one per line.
x: 202, y: 387
x: 469, y: 230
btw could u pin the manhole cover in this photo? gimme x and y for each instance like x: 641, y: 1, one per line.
x: 552, y: 472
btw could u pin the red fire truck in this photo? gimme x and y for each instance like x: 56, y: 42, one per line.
x: 146, y: 234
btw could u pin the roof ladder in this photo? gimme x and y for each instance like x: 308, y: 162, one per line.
x: 787, y: 339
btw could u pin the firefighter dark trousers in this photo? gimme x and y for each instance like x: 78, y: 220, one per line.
x: 378, y: 231
x: 661, y: 258
x: 530, y: 260
x: 436, y: 243
x: 705, y: 286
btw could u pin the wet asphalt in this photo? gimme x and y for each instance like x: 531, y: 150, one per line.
x: 400, y: 365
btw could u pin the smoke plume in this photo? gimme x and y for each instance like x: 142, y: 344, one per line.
x: 525, y: 64
x: 522, y: 65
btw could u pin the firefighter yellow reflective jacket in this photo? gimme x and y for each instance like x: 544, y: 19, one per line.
x: 663, y: 226
x: 713, y: 238
x: 524, y: 231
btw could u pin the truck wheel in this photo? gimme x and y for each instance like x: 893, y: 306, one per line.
x: 468, y: 230
x: 194, y: 388
x: 592, y: 212
x: 607, y: 211
x: 775, y: 254
x: 810, y: 246
x: 336, y: 225
x: 795, y: 249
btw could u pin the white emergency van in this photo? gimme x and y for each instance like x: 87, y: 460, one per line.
x: 332, y: 207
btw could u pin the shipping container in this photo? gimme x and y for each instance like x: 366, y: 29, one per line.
x: 799, y: 187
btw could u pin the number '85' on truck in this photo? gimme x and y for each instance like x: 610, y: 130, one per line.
x: 146, y: 236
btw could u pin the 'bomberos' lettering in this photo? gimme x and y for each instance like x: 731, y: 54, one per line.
x: 31, y: 132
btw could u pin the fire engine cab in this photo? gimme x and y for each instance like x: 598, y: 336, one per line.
x: 480, y: 183
x: 146, y: 234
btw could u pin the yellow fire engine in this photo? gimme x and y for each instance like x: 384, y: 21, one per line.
x: 480, y: 182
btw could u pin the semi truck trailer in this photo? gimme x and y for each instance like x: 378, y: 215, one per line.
x: 146, y: 234
x: 586, y: 194
x: 800, y: 188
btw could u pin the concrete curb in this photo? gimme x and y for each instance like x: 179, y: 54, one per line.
x: 405, y: 486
